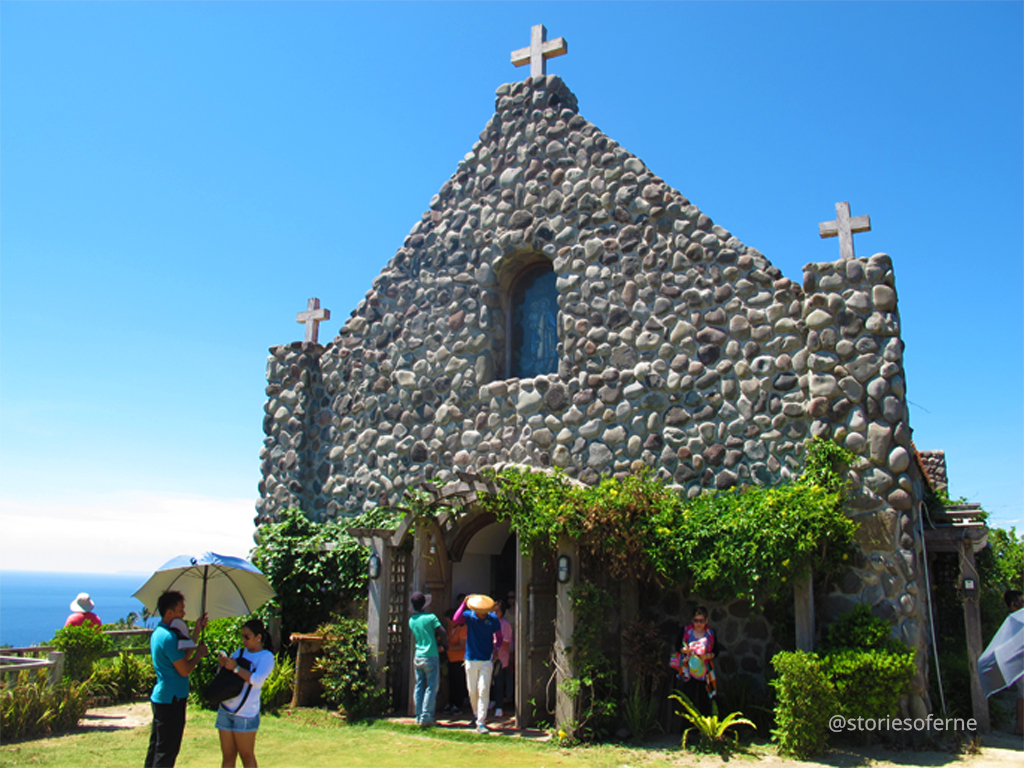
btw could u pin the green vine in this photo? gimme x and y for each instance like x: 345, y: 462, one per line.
x: 751, y: 542
x: 593, y: 683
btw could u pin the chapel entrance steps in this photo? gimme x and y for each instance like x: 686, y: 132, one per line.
x: 503, y: 726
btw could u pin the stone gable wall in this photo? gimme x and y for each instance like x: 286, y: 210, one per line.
x: 680, y: 348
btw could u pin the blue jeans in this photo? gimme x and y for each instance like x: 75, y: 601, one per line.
x: 427, y: 673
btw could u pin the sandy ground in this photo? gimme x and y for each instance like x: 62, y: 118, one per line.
x: 999, y: 749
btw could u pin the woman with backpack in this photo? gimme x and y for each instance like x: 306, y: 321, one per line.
x: 238, y: 718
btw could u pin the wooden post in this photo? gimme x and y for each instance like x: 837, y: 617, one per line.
x: 57, y: 670
x: 378, y: 609
x: 803, y: 607
x: 972, y: 625
x: 565, y: 625
x: 418, y: 583
x: 524, y: 669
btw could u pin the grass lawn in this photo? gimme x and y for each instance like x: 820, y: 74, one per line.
x: 315, y: 739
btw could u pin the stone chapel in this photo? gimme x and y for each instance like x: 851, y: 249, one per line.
x: 561, y: 305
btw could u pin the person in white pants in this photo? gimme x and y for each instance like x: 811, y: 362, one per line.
x: 483, y: 639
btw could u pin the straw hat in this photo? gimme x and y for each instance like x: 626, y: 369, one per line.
x: 82, y: 604
x: 480, y: 603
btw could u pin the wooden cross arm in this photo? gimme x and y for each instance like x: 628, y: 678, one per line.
x: 857, y: 224
x: 550, y: 49
x: 313, y: 314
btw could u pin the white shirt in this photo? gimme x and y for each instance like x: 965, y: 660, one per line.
x: 261, y: 665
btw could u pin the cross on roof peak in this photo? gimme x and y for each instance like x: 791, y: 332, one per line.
x: 844, y: 227
x: 539, y: 51
x: 312, y: 318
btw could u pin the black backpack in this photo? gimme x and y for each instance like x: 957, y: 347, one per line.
x: 227, y: 685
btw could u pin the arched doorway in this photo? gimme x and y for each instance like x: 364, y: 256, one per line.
x: 463, y: 549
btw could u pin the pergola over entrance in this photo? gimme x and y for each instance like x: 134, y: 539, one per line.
x: 419, y: 556
x: 961, y: 529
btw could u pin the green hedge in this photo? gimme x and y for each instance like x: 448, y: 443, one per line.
x: 806, y: 699
x: 862, y: 674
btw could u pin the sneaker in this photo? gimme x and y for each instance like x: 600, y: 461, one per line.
x: 472, y: 723
x: 498, y: 712
x: 482, y: 729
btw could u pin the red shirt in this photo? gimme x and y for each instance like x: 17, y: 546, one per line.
x: 77, y: 619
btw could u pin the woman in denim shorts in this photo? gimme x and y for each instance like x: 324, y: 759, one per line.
x: 238, y: 719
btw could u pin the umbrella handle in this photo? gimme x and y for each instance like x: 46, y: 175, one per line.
x: 202, y: 607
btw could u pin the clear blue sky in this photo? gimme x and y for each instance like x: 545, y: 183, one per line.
x: 178, y: 178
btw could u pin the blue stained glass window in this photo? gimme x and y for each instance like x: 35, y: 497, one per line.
x: 535, y: 325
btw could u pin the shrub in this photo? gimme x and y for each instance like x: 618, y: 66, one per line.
x: 277, y: 690
x: 859, y: 630
x: 869, y: 669
x: 869, y: 683
x: 349, y: 681
x: 30, y: 707
x: 126, y: 677
x: 640, y: 711
x: 806, y: 699
x: 81, y: 647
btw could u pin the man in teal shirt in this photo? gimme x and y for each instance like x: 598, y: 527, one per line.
x: 173, y: 665
x: 424, y: 627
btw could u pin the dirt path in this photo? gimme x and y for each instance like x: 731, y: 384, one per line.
x: 117, y: 717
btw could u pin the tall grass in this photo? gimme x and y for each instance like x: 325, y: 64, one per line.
x: 124, y: 678
x: 30, y: 707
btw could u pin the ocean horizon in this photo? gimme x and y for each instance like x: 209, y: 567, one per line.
x: 35, y: 604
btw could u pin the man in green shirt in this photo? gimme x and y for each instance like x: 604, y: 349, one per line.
x: 424, y: 627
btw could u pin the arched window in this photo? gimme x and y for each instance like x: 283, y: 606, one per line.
x: 534, y: 324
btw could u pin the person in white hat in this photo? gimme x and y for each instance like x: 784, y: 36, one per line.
x: 81, y: 612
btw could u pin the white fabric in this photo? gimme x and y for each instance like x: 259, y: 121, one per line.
x: 185, y: 643
x: 1002, y: 663
x: 478, y: 681
x: 261, y: 664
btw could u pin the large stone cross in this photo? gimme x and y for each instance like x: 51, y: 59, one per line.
x: 312, y: 318
x: 844, y: 226
x: 539, y: 52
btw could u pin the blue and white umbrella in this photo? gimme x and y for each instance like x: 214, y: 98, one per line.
x: 218, y: 585
x: 1002, y: 663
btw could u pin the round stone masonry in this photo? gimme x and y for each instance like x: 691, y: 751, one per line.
x: 679, y: 348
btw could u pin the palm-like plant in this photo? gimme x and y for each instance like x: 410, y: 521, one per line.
x: 713, y: 731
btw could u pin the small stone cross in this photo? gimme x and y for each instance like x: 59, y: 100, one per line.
x: 539, y: 52
x: 312, y: 317
x: 844, y: 226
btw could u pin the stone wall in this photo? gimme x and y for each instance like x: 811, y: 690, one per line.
x: 680, y: 348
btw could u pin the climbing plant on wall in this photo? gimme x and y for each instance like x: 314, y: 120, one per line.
x: 315, y: 568
x: 751, y: 541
